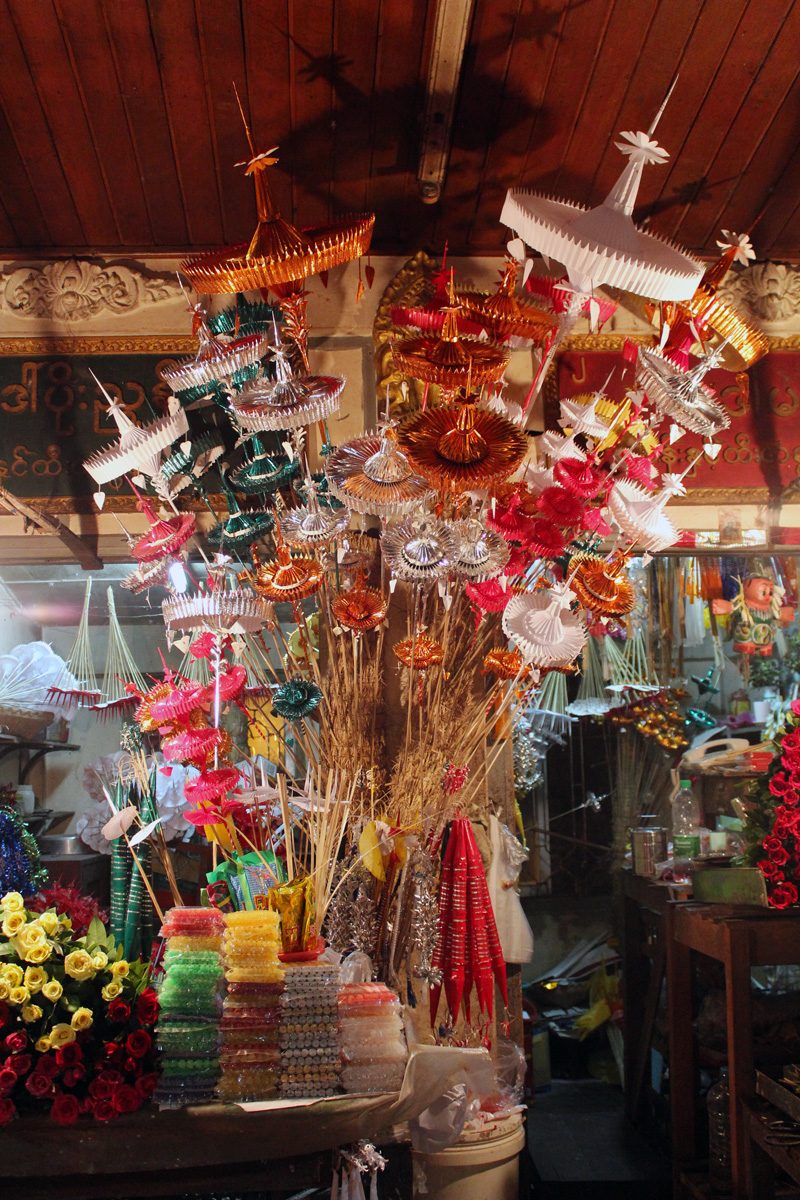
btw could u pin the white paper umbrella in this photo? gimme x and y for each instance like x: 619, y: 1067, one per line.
x: 138, y: 448
x: 640, y: 514
x: 602, y: 245
x: 543, y: 627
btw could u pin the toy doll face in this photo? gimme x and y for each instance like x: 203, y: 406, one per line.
x: 758, y: 591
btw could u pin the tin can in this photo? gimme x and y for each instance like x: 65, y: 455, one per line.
x: 649, y: 845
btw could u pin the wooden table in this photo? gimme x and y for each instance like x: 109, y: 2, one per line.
x: 739, y: 939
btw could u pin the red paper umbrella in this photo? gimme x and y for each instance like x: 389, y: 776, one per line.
x: 640, y: 469
x: 489, y: 596
x: 179, y: 702
x: 211, y: 786
x: 195, y: 746
x: 165, y: 535
x: 544, y: 539
x: 560, y: 506
x: 230, y: 685
x: 578, y: 477
x: 512, y: 513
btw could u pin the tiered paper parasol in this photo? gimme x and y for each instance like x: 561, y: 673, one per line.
x: 602, y: 245
x: 461, y: 447
x: 286, y: 402
x: 186, y: 465
x: 310, y: 524
x: 419, y: 550
x: 372, y: 475
x: 216, y: 361
x: 278, y: 253
x: 139, y: 447
x: 240, y: 528
x: 450, y: 361
x: 601, y: 585
x: 286, y: 578
x: 640, y: 514
x: 262, y: 471
x: 165, y: 536
x: 504, y: 314
x: 360, y: 609
x: 543, y: 627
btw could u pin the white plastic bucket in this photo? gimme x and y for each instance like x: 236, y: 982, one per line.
x: 483, y: 1164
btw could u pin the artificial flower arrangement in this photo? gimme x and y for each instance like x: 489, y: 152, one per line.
x: 773, y: 818
x: 76, y: 1019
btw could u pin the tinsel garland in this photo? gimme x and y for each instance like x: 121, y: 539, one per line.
x: 20, y: 866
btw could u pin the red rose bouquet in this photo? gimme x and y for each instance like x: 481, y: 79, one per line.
x: 773, y: 821
x: 76, y: 1019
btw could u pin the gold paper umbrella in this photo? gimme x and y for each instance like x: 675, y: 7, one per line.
x: 420, y: 652
x: 504, y: 314
x: 286, y: 578
x: 462, y: 447
x: 450, y: 361
x: 602, y: 586
x: 371, y: 475
x: 360, y: 609
x: 278, y: 252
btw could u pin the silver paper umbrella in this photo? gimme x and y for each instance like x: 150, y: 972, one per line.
x: 286, y: 402
x: 216, y: 362
x: 311, y: 524
x: 681, y: 394
x: 372, y: 475
x: 481, y: 553
x: 420, y: 550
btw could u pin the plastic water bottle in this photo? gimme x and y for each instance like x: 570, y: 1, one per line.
x: 718, y: 1102
x: 687, y: 821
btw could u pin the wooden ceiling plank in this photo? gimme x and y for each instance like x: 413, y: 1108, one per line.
x: 401, y: 217
x: 779, y: 214
x: 534, y: 40
x: 24, y: 224
x: 310, y: 155
x: 9, y: 237
x: 174, y: 30
x: 34, y: 142
x: 487, y: 57
x: 355, y: 48
x: 222, y: 48
x: 762, y: 113
x: 86, y: 41
x: 687, y: 184
x: 266, y: 44
x: 128, y: 25
x: 43, y: 45
x: 653, y: 61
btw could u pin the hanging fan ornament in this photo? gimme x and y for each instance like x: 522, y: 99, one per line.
x: 138, y: 448
x: 682, y: 394
x: 361, y: 608
x: 121, y: 672
x: 278, y: 253
x: 460, y: 447
x: 310, y: 524
x: 467, y: 952
x: 372, y: 475
x: 450, y: 361
x: 240, y: 529
x: 504, y: 314
x: 544, y: 628
x: 288, y: 401
x: 262, y: 471
x: 419, y: 550
x: 77, y: 682
x: 482, y: 554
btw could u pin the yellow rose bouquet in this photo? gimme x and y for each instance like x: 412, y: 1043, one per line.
x: 76, y: 1019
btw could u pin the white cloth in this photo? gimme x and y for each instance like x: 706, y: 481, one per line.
x: 508, y: 855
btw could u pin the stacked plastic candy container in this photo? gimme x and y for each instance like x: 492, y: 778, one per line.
x: 309, y: 1038
x: 249, y: 1056
x: 372, y: 1041
x: 190, y: 1003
